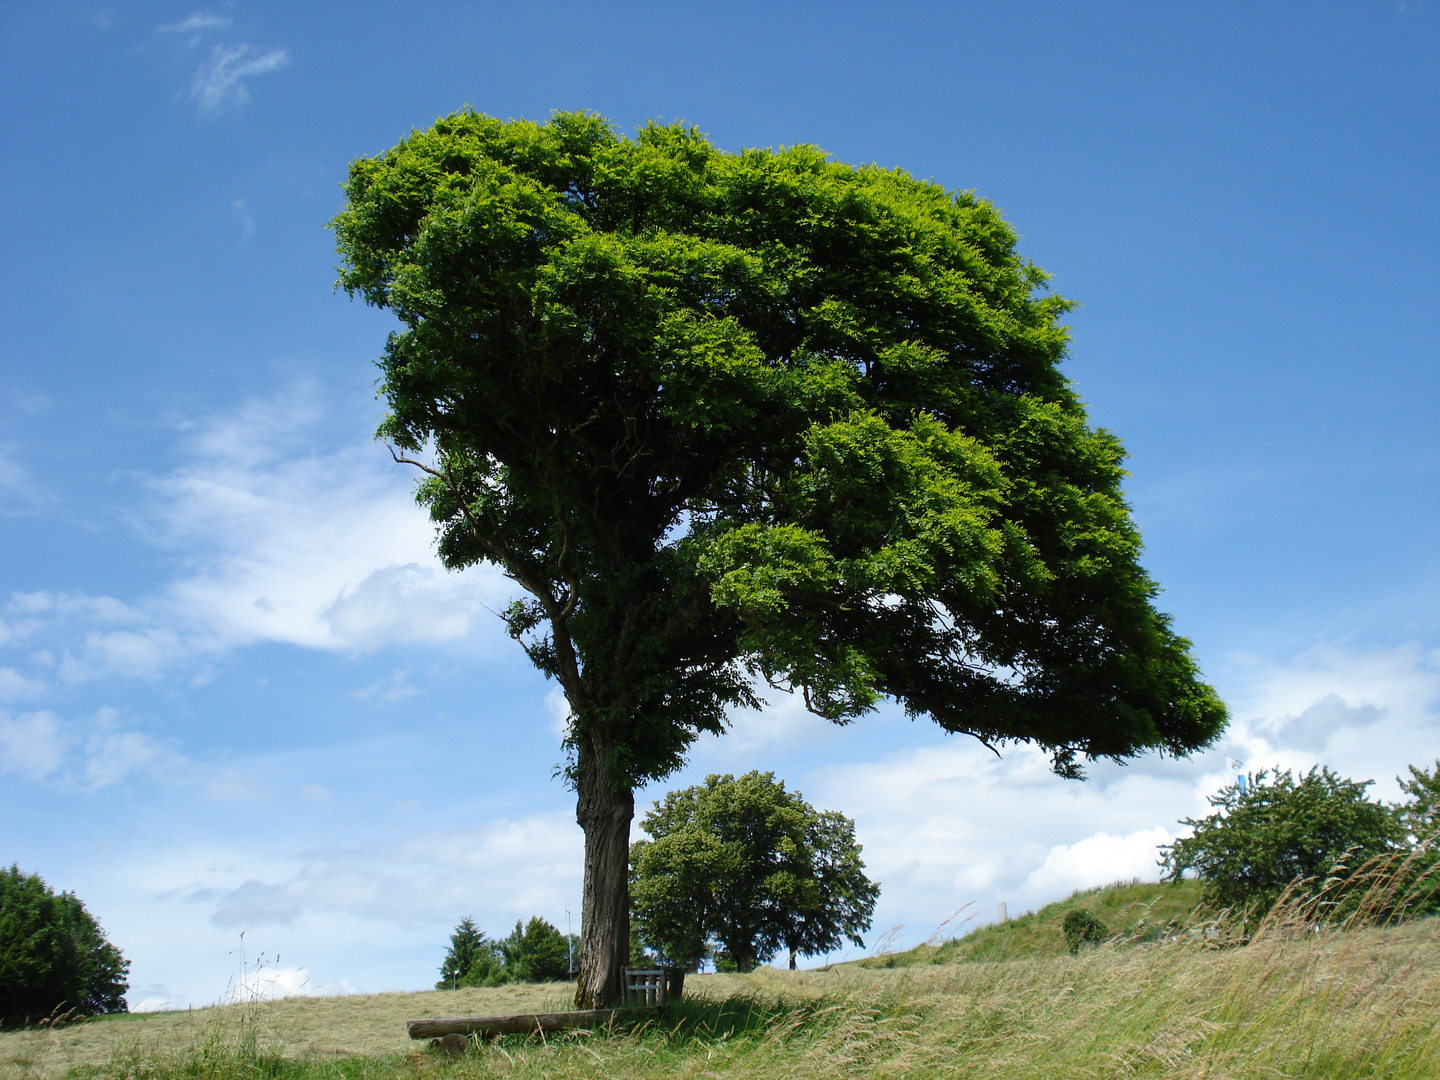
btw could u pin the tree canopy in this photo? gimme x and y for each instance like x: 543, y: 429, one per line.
x: 1278, y: 829
x: 745, y: 867
x: 471, y: 960
x: 53, y: 954
x: 728, y: 417
x: 1420, y: 812
x: 533, y: 952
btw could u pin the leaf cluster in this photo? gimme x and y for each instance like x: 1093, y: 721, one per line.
x: 743, y: 867
x: 53, y: 954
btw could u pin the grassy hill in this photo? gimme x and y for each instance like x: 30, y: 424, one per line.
x: 1318, y: 1005
x: 1134, y: 911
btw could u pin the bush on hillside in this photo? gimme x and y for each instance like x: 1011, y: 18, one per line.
x: 1082, y: 927
x: 1276, y: 830
x: 53, y: 955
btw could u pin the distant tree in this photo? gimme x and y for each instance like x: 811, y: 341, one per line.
x: 741, y: 868
x: 1420, y: 813
x: 53, y: 954
x: 728, y: 416
x: 1276, y: 830
x: 472, y: 959
x: 536, y: 952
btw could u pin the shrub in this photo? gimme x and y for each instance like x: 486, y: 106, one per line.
x: 1082, y: 927
x: 53, y: 954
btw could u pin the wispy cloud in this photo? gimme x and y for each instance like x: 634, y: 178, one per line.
x: 277, y: 541
x: 438, y: 875
x: 220, y: 82
x: 396, y: 688
x: 200, y: 21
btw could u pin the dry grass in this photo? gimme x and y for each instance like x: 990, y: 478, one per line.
x: 1294, y: 1003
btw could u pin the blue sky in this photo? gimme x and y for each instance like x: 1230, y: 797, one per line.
x: 239, y: 695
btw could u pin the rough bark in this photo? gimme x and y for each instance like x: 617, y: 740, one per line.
x: 604, y: 809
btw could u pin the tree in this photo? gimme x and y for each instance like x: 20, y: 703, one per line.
x: 1276, y: 830
x: 747, y: 867
x: 727, y: 417
x: 53, y: 954
x: 472, y: 959
x: 1420, y: 813
x: 536, y: 952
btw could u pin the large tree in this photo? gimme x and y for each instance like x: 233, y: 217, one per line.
x: 748, y: 867
x: 759, y: 415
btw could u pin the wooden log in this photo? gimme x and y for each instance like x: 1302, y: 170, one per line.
x: 516, y: 1024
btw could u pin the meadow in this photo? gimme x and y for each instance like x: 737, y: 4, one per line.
x: 1294, y: 1002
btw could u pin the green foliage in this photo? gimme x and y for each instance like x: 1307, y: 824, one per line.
x: 53, y: 954
x: 533, y: 952
x: 765, y: 413
x: 536, y: 952
x: 1420, y: 813
x: 1082, y: 927
x: 740, y: 868
x: 1278, y: 830
x: 472, y: 959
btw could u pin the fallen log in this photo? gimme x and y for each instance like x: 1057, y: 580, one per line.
x: 515, y: 1024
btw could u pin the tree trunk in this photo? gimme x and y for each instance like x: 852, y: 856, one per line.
x: 792, y: 959
x: 604, y: 810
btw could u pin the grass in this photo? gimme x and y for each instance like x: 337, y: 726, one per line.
x: 1296, y: 1002
x: 1136, y: 910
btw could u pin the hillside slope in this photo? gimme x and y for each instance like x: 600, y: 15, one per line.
x: 1136, y: 911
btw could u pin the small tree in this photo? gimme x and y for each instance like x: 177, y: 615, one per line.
x: 53, y: 954
x: 1276, y: 830
x: 472, y: 959
x: 744, y: 867
x: 1420, y: 814
x: 536, y: 952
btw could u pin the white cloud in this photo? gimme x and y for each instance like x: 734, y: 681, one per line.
x: 323, y: 550
x: 20, y: 493
x: 86, y: 756
x: 17, y: 687
x: 112, y: 756
x: 396, y: 688
x: 274, y: 540
x: 558, y: 707
x: 34, y: 745
x: 1097, y: 860
x: 498, y: 872
x: 200, y: 21
x: 220, y: 81
x: 273, y: 983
